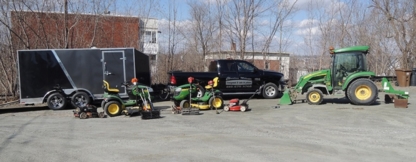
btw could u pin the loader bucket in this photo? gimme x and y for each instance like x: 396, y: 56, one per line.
x: 285, y: 99
x: 399, y: 98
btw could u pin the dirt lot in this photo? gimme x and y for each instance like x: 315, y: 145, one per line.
x: 300, y: 132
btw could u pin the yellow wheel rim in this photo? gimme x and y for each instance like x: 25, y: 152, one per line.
x: 217, y: 102
x: 363, y: 92
x: 113, y: 109
x: 314, y: 97
x: 186, y: 105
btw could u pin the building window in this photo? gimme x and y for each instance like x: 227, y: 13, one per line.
x: 149, y: 36
x: 267, y: 65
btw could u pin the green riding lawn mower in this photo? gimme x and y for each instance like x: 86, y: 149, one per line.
x: 139, y: 101
x: 190, y: 98
x: 347, y: 76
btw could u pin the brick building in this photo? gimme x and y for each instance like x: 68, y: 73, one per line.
x: 35, y: 30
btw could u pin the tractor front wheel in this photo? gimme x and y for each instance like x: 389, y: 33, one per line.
x: 113, y: 108
x: 362, y: 92
x: 314, y: 97
x: 185, y: 104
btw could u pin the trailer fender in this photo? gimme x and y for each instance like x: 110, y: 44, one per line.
x: 45, y: 97
x: 86, y: 91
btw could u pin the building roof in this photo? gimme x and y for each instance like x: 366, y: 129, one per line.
x: 256, y: 53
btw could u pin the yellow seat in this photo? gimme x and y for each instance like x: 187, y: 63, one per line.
x: 215, y: 84
x: 108, y: 89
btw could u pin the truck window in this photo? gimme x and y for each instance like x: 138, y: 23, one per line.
x: 245, y: 67
x: 227, y: 66
x: 212, y: 66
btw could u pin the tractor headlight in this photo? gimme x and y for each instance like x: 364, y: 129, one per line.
x: 178, y: 89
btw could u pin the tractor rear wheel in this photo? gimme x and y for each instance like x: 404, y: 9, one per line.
x: 112, y: 108
x: 314, y: 97
x: 362, y: 92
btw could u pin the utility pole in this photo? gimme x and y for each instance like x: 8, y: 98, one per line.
x: 66, y: 24
x: 280, y: 48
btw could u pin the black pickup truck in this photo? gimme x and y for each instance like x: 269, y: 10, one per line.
x: 236, y: 77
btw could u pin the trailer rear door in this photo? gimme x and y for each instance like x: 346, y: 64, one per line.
x: 114, y: 71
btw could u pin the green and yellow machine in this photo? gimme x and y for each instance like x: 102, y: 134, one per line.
x: 347, y: 75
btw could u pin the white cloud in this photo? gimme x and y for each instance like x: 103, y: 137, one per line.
x: 307, y: 23
x: 308, y: 31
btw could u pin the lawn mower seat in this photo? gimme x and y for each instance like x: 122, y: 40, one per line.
x: 107, y: 88
x: 214, y: 84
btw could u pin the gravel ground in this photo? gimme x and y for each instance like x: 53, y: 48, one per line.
x: 334, y: 131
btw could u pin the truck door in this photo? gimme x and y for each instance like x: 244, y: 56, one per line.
x: 114, y: 69
x: 249, y: 78
x: 229, y: 77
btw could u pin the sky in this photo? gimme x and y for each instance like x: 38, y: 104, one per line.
x: 300, y: 21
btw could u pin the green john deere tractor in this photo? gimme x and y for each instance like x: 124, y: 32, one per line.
x: 347, y: 75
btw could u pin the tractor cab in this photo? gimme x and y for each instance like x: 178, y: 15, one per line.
x: 345, y: 62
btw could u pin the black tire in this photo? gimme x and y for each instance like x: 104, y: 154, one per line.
x: 80, y: 99
x: 185, y: 104
x: 314, y: 97
x: 362, y: 92
x: 164, y: 95
x: 346, y: 95
x: 270, y: 91
x: 103, y: 104
x: 216, y: 105
x: 112, y: 108
x: 56, y: 101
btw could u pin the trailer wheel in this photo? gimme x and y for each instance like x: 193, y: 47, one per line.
x: 362, y: 92
x: 216, y: 102
x: 270, y: 91
x: 314, y: 97
x: 56, y: 101
x: 80, y: 99
x: 185, y: 104
x: 112, y: 108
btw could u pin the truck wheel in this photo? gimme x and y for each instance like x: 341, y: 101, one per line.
x: 270, y: 91
x: 56, y: 101
x: 80, y: 99
x: 185, y: 104
x: 362, y: 92
x: 314, y: 97
x: 216, y: 102
x: 112, y: 108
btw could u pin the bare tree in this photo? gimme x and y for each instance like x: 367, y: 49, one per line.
x: 400, y: 16
x: 239, y: 20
